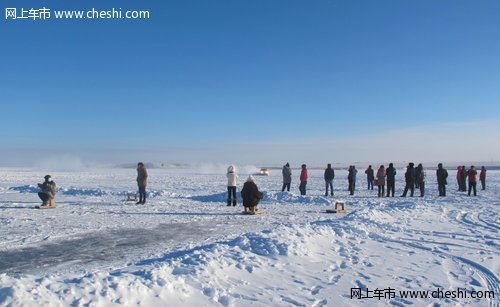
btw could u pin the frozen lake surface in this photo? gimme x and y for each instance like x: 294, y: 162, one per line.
x: 186, y: 247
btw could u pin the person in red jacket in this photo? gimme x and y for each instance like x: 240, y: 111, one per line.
x: 459, y: 175
x: 482, y: 177
x: 303, y: 180
x: 471, y: 174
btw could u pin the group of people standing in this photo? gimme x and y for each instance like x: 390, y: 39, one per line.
x: 379, y: 179
x: 414, y: 179
x: 469, y: 175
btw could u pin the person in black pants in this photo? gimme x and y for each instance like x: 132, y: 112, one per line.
x: 142, y: 181
x: 303, y: 180
x: 421, y: 179
x: 409, y: 179
x: 471, y: 174
x: 370, y: 177
x: 441, y: 175
x: 287, y: 177
x: 351, y: 178
x: 232, y: 178
x: 391, y: 179
x: 329, y: 175
x: 463, y: 179
x: 482, y: 177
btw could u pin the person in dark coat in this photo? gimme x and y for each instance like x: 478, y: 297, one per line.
x: 482, y: 178
x: 417, y: 175
x: 329, y: 175
x: 287, y: 177
x: 142, y: 182
x: 48, y: 192
x: 370, y: 177
x: 391, y: 179
x: 409, y: 180
x: 303, y: 180
x: 420, y: 179
x: 471, y: 175
x: 441, y: 174
x: 351, y: 178
x: 463, y: 178
x: 251, y: 195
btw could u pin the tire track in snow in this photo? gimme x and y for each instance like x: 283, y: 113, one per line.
x: 482, y: 220
x: 492, y: 281
x: 464, y: 218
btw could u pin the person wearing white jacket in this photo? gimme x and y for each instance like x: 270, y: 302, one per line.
x: 232, y: 178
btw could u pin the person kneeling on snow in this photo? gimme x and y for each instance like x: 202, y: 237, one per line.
x: 48, y: 192
x: 251, y: 195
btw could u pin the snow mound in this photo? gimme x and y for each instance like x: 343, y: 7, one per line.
x: 260, y: 245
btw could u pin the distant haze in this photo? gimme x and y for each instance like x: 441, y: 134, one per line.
x: 457, y: 142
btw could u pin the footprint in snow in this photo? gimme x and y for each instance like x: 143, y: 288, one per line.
x: 315, y: 290
x: 366, y: 277
x: 475, y: 282
x: 320, y: 303
x: 333, y: 280
x: 360, y: 284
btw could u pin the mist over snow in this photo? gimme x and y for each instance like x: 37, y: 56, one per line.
x: 61, y: 163
x: 221, y: 168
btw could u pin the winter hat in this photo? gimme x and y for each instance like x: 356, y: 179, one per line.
x: 47, y: 176
x: 287, y: 164
x: 231, y: 169
x: 251, y: 179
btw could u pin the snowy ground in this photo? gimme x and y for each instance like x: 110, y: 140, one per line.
x: 185, y: 247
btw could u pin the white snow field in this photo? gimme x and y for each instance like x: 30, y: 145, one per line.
x: 186, y: 247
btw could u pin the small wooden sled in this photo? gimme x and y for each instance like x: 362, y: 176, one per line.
x: 258, y: 212
x: 340, y: 207
x: 44, y: 207
x: 131, y: 196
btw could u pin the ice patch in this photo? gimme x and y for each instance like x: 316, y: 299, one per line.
x: 73, y: 191
x: 212, y: 198
x: 26, y: 189
x: 269, y: 197
x: 289, y: 198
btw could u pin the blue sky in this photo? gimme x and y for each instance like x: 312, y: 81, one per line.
x: 221, y: 80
